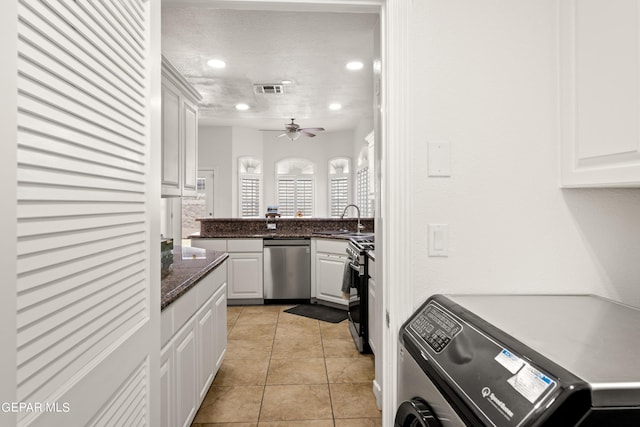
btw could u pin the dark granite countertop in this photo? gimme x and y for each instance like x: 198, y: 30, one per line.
x: 230, y: 228
x: 189, y: 266
x: 285, y: 235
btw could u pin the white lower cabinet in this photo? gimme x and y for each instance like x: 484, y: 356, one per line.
x: 185, y: 369
x: 245, y: 275
x: 330, y: 258
x: 194, y: 337
x: 206, y: 347
x: 245, y: 280
x: 219, y: 325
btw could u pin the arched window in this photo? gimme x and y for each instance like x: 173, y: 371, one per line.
x: 295, y: 187
x: 250, y: 187
x: 339, y: 173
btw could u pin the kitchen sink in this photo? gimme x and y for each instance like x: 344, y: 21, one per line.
x: 343, y: 233
x: 331, y: 232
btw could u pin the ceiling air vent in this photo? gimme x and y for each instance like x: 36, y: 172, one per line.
x: 268, y: 88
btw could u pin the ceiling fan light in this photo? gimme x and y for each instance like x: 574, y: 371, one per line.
x: 293, y: 135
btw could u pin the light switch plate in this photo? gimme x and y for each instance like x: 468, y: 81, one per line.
x: 438, y: 240
x: 439, y: 158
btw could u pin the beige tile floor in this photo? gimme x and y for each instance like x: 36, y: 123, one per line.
x: 283, y: 370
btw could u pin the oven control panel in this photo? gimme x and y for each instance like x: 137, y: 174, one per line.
x: 435, y: 327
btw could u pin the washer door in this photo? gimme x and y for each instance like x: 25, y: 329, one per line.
x: 415, y: 413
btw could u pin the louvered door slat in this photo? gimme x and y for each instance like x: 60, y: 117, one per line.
x: 80, y: 169
x: 55, y: 241
x: 58, y: 209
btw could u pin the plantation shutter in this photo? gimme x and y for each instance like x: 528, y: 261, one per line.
x: 84, y: 302
x: 250, y: 196
x: 295, y: 194
x: 339, y: 193
x: 362, y: 192
x: 304, y: 196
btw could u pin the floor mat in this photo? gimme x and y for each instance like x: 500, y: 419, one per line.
x: 319, y: 312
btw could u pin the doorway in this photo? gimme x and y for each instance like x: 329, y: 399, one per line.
x: 200, y: 206
x: 392, y: 218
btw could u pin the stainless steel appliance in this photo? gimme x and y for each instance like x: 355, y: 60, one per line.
x: 358, y: 299
x: 520, y: 360
x: 287, y: 270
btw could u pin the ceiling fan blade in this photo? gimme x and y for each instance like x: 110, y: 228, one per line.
x: 312, y: 129
x: 304, y: 132
x: 281, y: 135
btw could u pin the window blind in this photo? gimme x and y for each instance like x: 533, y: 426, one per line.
x: 250, y: 196
x: 295, y: 194
x: 362, y: 192
x: 339, y: 194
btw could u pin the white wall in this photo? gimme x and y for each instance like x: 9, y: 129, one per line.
x: 488, y: 85
x: 220, y: 147
x: 215, y: 152
x: 322, y: 148
x: 246, y: 142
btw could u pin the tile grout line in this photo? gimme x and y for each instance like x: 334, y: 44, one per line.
x: 326, y: 369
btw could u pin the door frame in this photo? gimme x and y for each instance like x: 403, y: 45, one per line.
x: 393, y: 218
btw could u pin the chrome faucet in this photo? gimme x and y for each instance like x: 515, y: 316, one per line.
x: 357, y: 209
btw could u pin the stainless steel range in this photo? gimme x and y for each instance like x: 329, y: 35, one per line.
x: 358, y: 299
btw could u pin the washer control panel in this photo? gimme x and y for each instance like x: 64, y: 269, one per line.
x: 435, y: 327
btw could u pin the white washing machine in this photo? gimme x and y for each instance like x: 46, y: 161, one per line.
x: 520, y: 360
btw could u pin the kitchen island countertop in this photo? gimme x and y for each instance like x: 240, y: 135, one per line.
x: 190, y: 265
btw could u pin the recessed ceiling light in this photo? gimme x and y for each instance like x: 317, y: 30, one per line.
x: 216, y: 63
x: 242, y: 107
x: 335, y: 106
x: 286, y: 82
x: 355, y: 65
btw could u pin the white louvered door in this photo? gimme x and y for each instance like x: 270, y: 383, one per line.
x: 86, y: 309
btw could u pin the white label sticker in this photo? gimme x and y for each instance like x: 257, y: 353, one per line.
x: 530, y: 382
x: 509, y: 361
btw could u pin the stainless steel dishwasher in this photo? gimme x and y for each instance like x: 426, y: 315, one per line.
x: 287, y: 269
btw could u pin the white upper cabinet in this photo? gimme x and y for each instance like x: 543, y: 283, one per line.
x: 600, y: 93
x: 179, y: 134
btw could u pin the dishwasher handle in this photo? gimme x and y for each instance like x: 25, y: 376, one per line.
x: 286, y: 242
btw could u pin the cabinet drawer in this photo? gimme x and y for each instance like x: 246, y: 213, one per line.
x: 210, y: 244
x: 244, y: 245
x: 210, y: 283
x: 332, y: 246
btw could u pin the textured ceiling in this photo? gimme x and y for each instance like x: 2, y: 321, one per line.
x: 308, y: 48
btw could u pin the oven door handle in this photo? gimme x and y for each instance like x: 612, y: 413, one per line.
x: 356, y: 267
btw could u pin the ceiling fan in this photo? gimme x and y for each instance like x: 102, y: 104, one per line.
x: 293, y: 131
